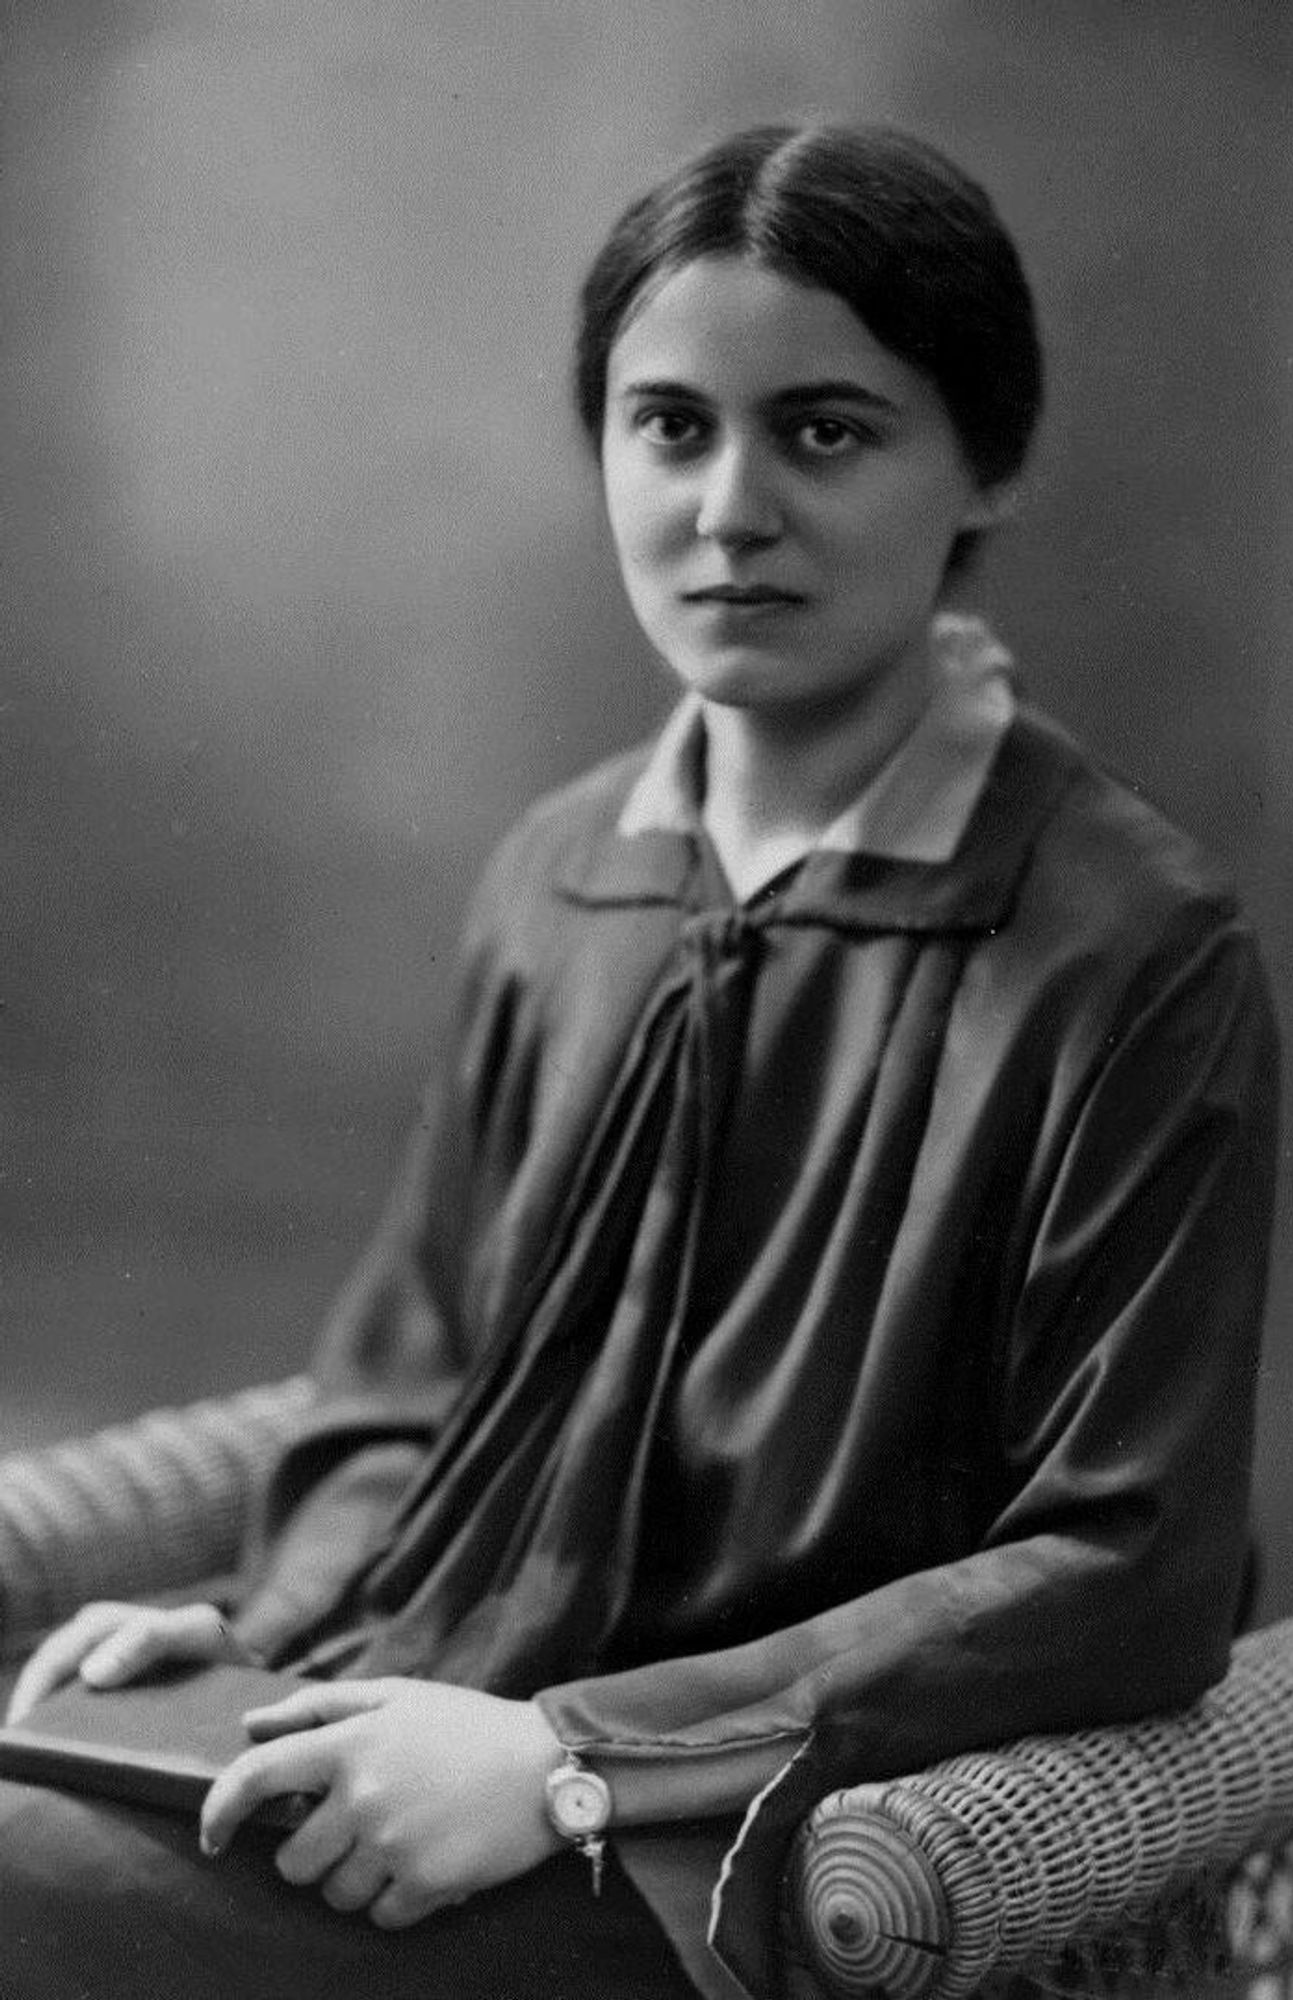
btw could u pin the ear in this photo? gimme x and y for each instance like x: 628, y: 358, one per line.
x: 991, y: 505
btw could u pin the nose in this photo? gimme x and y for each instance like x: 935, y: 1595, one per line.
x: 738, y: 506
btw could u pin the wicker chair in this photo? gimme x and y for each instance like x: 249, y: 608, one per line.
x: 1144, y: 1860
x: 1132, y: 1862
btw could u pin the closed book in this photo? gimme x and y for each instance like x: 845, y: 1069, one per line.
x: 158, y: 1742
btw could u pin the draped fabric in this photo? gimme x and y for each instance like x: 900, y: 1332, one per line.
x: 517, y: 1548
x: 895, y: 1402
x: 811, y: 1339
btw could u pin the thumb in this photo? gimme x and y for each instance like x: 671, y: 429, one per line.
x: 312, y: 1707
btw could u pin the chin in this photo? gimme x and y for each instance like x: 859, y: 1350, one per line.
x: 741, y: 678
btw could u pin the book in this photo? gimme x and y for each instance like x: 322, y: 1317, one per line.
x: 157, y: 1742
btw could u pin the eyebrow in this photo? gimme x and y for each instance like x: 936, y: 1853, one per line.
x: 834, y: 392
x: 801, y: 395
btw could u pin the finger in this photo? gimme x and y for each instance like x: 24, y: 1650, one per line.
x: 57, y: 1659
x: 356, y: 1881
x: 318, y: 1844
x: 406, y: 1903
x: 150, y: 1638
x: 312, y: 1707
x: 297, y: 1764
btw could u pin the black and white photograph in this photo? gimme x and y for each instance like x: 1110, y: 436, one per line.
x: 646, y: 1289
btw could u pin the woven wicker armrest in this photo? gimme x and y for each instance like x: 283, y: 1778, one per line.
x: 920, y: 1888
x: 142, y: 1507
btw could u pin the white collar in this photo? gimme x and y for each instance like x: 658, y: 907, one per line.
x: 917, y: 806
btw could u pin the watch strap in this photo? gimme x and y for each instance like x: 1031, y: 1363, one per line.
x: 590, y: 1841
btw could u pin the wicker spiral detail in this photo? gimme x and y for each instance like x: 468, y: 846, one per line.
x: 1104, y: 1847
x: 869, y: 1902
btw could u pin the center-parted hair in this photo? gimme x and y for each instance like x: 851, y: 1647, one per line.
x: 910, y: 243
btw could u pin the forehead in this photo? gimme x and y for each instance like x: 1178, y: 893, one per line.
x: 730, y: 327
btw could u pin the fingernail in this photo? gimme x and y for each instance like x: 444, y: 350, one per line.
x: 211, y: 1848
x: 95, y: 1671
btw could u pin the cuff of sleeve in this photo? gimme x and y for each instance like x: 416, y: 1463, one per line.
x: 673, y: 1777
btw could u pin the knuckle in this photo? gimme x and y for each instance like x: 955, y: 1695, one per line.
x: 365, y: 1797
x: 251, y: 1776
x: 342, y: 1793
x: 233, y: 1790
x: 133, y: 1634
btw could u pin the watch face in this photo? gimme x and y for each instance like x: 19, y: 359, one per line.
x: 579, y: 1802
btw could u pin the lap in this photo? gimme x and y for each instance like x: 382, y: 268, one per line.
x: 106, y: 1899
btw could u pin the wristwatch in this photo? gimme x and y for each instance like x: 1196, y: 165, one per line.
x: 579, y: 1809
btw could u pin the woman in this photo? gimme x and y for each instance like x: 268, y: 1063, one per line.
x: 818, y: 1330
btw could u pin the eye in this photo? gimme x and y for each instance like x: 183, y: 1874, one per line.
x: 670, y: 427
x: 830, y: 437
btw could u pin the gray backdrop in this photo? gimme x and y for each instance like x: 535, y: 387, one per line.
x: 306, y: 591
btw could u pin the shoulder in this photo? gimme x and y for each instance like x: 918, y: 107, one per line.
x: 550, y: 840
x: 1106, y: 857
x: 1117, y: 906
x: 562, y: 822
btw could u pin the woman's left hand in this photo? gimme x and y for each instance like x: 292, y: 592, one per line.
x: 426, y: 1792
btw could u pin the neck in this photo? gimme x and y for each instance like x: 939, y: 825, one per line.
x: 776, y: 778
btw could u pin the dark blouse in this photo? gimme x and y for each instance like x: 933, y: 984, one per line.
x: 824, y: 1330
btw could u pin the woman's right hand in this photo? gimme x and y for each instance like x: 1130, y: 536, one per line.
x: 110, y: 1644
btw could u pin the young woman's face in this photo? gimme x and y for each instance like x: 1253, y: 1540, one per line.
x: 783, y: 491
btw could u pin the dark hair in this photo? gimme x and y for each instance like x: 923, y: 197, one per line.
x: 907, y: 240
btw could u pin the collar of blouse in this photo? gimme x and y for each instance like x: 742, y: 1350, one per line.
x: 937, y: 842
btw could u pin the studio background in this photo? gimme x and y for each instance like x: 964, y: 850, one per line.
x: 306, y: 592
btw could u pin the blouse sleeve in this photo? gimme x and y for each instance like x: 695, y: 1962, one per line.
x: 388, y: 1364
x: 1105, y: 1587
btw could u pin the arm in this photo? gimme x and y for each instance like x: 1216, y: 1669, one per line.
x: 387, y: 1365
x: 1104, y: 1586
x: 394, y: 1354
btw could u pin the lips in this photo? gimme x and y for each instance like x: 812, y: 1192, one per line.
x: 738, y: 594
